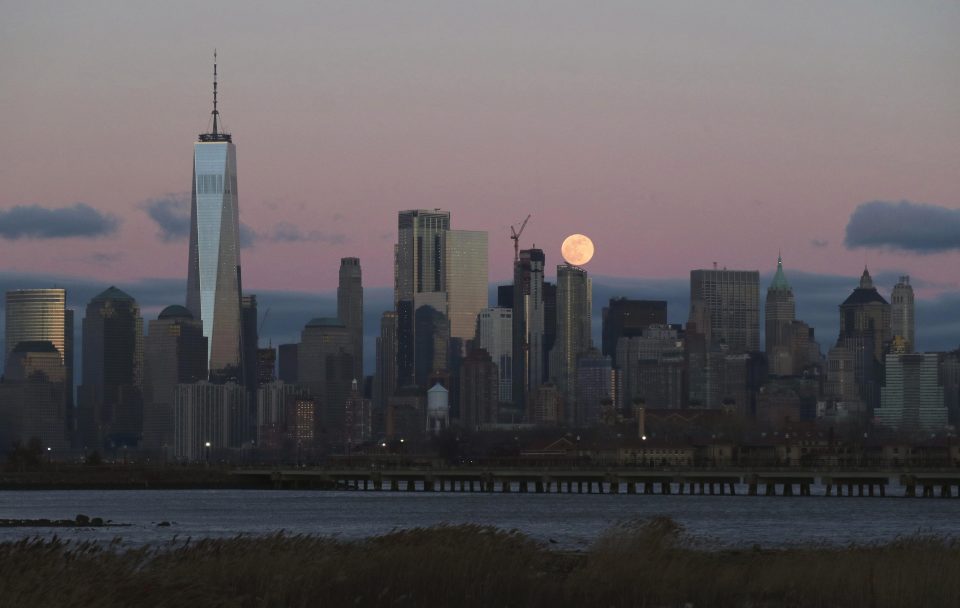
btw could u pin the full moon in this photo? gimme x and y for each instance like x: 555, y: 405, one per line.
x: 577, y: 249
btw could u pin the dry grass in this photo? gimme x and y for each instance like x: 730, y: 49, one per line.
x: 641, y: 564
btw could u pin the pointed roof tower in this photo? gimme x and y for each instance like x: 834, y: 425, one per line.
x: 866, y: 282
x: 779, y: 282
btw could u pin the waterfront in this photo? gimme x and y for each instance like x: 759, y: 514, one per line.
x: 572, y: 521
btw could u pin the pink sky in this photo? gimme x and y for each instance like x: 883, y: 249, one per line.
x: 672, y: 136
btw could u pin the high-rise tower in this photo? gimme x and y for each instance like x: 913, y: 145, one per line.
x: 528, y: 325
x: 574, y: 306
x: 779, y: 315
x: 901, y: 313
x: 419, y: 269
x: 725, y: 304
x: 213, y: 276
x: 110, y: 396
x: 350, y: 309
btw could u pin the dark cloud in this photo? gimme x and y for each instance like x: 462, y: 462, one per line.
x: 285, y: 232
x: 819, y: 242
x: 248, y: 236
x: 36, y: 222
x: 102, y: 258
x: 906, y: 226
x: 172, y: 215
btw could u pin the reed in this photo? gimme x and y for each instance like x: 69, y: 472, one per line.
x: 645, y: 563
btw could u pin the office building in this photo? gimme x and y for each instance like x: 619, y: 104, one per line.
x: 419, y: 271
x: 174, y: 352
x: 466, y: 281
x: 574, y: 306
x: 350, y: 309
x: 625, y: 318
x: 480, y: 388
x: 911, y: 398
x: 38, y: 315
x: 495, y: 336
x: 865, y: 334
x: 725, y: 307
x: 110, y: 399
x: 250, y: 341
x: 32, y: 401
x: 595, y: 389
x: 528, y: 325
x: 326, y: 369
x: 385, y: 378
x: 213, y: 272
x: 210, y: 419
x: 902, y: 313
x: 276, y: 410
x: 779, y: 315
x: 358, y: 418
x: 652, y: 369
x: 288, y: 365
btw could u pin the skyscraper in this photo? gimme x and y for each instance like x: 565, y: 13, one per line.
x: 350, y: 309
x: 725, y: 306
x: 865, y: 332
x: 574, y: 306
x: 175, y: 352
x: 385, y: 380
x: 213, y: 274
x: 528, y: 325
x: 901, y: 312
x: 419, y: 257
x: 779, y: 314
x: 34, y: 315
x: 625, y: 318
x: 325, y: 367
x: 250, y: 341
x: 495, y: 335
x: 466, y: 280
x: 912, y: 395
x: 110, y: 395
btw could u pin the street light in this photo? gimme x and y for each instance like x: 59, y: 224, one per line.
x: 207, y: 445
x: 49, y: 455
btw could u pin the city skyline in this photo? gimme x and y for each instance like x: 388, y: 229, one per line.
x: 598, y: 139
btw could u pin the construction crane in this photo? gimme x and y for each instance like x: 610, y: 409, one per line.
x: 515, y: 235
x: 263, y: 320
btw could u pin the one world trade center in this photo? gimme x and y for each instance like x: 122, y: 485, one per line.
x: 213, y: 278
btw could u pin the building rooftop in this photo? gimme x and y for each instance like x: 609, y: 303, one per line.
x: 779, y: 282
x: 112, y: 293
x: 175, y: 311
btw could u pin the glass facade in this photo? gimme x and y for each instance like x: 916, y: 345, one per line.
x: 466, y: 280
x: 35, y: 315
x: 729, y: 301
x: 213, y: 277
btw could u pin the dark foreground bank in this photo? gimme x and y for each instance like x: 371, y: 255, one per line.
x: 643, y: 564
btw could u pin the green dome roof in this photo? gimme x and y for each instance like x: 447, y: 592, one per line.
x: 175, y: 311
x: 779, y: 282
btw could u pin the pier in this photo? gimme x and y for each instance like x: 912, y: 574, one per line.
x: 618, y: 481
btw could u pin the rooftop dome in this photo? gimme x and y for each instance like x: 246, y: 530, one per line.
x: 175, y: 311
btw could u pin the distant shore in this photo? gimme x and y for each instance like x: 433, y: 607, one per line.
x: 642, y: 563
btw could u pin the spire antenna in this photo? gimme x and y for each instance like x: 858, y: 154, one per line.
x: 215, y: 112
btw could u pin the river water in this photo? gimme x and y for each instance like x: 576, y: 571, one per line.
x: 572, y: 521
